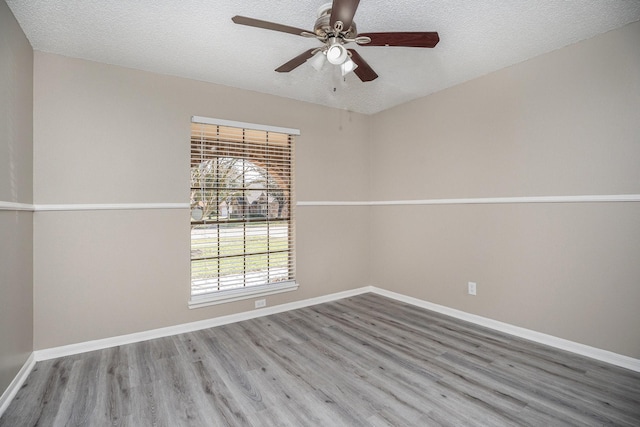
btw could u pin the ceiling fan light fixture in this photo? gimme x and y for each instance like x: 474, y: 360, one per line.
x: 348, y: 66
x: 336, y: 54
x: 318, y: 60
x: 334, y: 28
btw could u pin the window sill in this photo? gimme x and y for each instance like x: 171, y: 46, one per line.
x: 241, y: 294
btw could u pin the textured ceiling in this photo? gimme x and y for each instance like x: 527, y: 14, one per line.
x: 196, y: 39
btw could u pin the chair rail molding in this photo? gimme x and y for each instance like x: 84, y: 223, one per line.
x: 484, y: 200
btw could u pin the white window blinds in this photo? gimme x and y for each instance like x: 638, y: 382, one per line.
x: 242, y: 209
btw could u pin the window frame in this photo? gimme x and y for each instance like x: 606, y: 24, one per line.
x: 253, y: 291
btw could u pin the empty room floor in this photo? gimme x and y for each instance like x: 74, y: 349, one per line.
x: 361, y: 361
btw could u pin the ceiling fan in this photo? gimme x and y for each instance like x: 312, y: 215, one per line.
x: 334, y: 28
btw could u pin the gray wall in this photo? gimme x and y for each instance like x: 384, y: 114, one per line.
x: 563, y: 124
x: 16, y: 229
x: 105, y: 134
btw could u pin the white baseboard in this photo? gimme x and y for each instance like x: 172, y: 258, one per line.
x: 17, y: 382
x: 67, y: 350
x: 574, y: 347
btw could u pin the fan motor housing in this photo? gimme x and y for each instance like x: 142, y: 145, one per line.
x: 323, y: 28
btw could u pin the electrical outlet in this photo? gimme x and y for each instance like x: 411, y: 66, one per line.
x: 472, y: 288
x: 261, y: 303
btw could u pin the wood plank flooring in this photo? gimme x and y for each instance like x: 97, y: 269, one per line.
x: 361, y: 361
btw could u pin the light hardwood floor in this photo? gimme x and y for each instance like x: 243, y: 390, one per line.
x: 361, y: 361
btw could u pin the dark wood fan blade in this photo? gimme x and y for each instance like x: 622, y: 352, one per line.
x: 407, y: 39
x: 243, y: 20
x: 343, y: 10
x: 295, y: 62
x: 363, y: 71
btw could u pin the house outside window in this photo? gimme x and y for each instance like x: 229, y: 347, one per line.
x: 242, y: 211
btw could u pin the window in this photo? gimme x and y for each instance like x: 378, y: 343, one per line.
x: 242, y: 211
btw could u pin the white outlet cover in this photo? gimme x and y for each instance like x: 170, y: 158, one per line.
x: 472, y: 288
